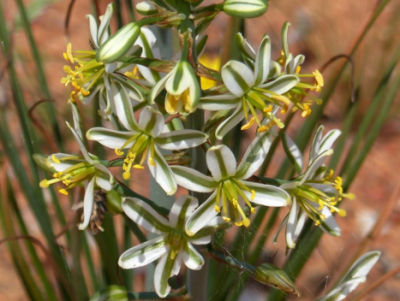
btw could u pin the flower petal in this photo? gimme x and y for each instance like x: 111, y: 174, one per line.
x: 146, y: 40
x: 291, y: 225
x: 284, y: 39
x: 151, y: 121
x: 267, y: 195
x: 80, y: 143
x: 143, y: 254
x: 158, y: 88
x: 328, y: 140
x: 164, y: 270
x: 123, y: 106
x: 193, y: 180
x: 93, y: 29
x: 145, y: 216
x: 293, y: 153
x: 282, y: 84
x: 221, y: 162
x: 219, y: 102
x: 181, y: 210
x: 109, y: 138
x: 203, y: 236
x: 262, y: 62
x: 237, y: 77
x: 254, y: 156
x: 192, y: 259
x: 202, y: 216
x: 104, y: 178
x: 317, y: 163
x: 315, y: 144
x: 233, y: 120
x: 162, y: 173
x: 181, y: 139
x: 88, y: 203
x: 105, y: 22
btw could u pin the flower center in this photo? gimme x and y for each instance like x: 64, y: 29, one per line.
x: 178, y: 103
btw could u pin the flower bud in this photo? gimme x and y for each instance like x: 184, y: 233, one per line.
x: 270, y: 275
x: 146, y: 8
x: 245, y: 9
x: 118, y: 44
x: 113, y: 202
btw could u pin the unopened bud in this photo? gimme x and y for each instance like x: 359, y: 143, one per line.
x: 245, y: 9
x: 146, y: 8
x: 270, y: 275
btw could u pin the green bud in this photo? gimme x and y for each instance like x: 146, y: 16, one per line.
x: 41, y: 161
x: 118, y: 44
x: 146, y: 8
x: 270, y: 275
x: 245, y: 8
x: 112, y: 292
x: 113, y: 202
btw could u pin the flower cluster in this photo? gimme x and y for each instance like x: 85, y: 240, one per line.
x: 152, y: 106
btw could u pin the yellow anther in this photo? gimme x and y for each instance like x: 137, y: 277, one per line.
x: 55, y: 159
x: 317, y: 223
x: 84, y: 92
x: 350, y: 196
x: 253, y: 195
x: 234, y: 203
x: 227, y: 219
x: 189, y: 233
x: 62, y: 191
x: 342, y: 212
x: 268, y: 109
x: 217, y: 209
x: 306, y: 112
x: 319, y: 78
x: 322, y: 216
x: 252, y: 210
x: 119, y: 152
x: 248, y: 124
x: 126, y: 175
x: 137, y: 166
x: 298, y: 69
x: 44, y: 184
x: 246, y: 222
x: 69, y: 53
x: 329, y: 175
x: 239, y: 224
x: 262, y: 129
x: 72, y: 96
x: 151, y: 161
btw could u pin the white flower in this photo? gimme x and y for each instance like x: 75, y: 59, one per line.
x: 172, y: 246
x: 313, y: 193
x: 73, y: 170
x: 355, y: 275
x: 230, y: 190
x: 142, y: 141
x: 183, y: 89
x: 250, y: 91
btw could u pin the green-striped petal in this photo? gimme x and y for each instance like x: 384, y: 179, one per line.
x: 151, y: 121
x: 237, y: 77
x: 245, y: 8
x: 166, y: 268
x: 145, y: 216
x: 180, y: 211
x: 267, y: 195
x: 146, y: 40
x: 254, y: 156
x: 102, y: 34
x: 80, y: 143
x: 317, y: 163
x: 328, y: 140
x: 221, y: 162
x: 181, y: 139
x: 192, y: 259
x: 219, y: 102
x: 234, y: 119
x: 263, y: 59
x: 118, y: 44
x: 284, y: 39
x: 109, y: 138
x: 282, y: 84
x: 88, y: 203
x: 193, y: 180
x: 162, y: 173
x: 293, y: 153
x: 123, y: 106
x: 143, y: 254
x: 316, y: 142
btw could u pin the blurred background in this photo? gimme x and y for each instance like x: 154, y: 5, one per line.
x: 320, y: 30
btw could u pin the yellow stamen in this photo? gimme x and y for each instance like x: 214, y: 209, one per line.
x: 268, y: 109
x: 253, y: 195
x: 342, y: 212
x: 248, y: 125
x: 55, y: 159
x: 62, y: 191
x: 262, y: 129
x: 318, y: 78
x: 151, y: 161
x: 227, y: 219
x: 137, y: 166
x: 298, y: 69
x: 239, y: 224
x: 119, y: 152
x: 44, y: 184
x: 126, y: 175
x: 246, y: 222
x: 217, y: 209
x: 69, y: 53
x: 84, y: 92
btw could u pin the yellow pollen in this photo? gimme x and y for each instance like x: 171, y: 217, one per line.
x: 342, y: 212
x: 126, y: 175
x: 44, y: 184
x: 262, y: 129
x: 252, y: 210
x: 248, y: 124
x: 318, y: 78
x: 227, y: 219
x: 151, y: 161
x: 119, y: 152
x: 63, y: 191
x: 217, y: 209
x: 268, y: 109
x: 239, y: 224
x: 55, y: 159
x: 84, y: 92
x: 246, y: 222
x: 298, y: 69
x: 137, y: 166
